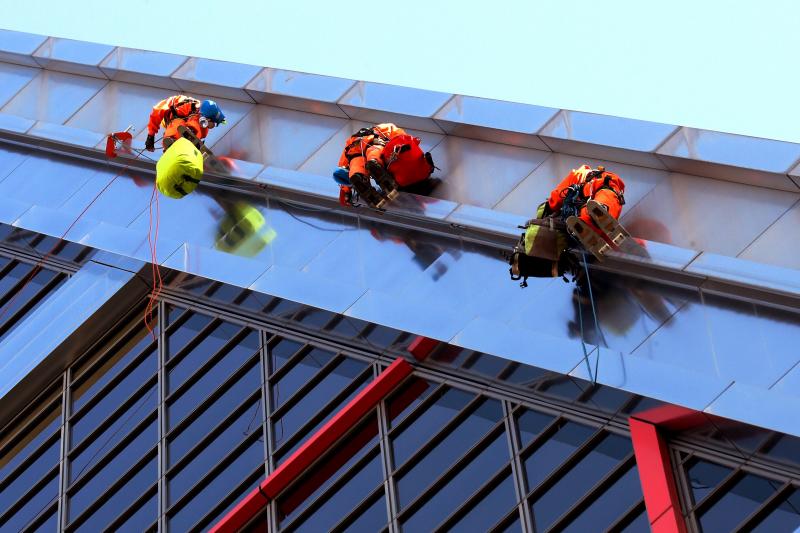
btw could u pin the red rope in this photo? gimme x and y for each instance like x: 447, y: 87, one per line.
x: 158, y: 284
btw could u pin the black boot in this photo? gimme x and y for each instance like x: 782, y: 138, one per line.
x: 383, y: 177
x: 365, y: 191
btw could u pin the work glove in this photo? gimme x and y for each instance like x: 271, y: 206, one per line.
x: 150, y: 143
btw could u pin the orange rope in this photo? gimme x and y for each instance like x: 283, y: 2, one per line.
x: 158, y: 284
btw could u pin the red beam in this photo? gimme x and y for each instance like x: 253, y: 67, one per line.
x: 314, y: 447
x: 655, y: 475
x: 421, y: 347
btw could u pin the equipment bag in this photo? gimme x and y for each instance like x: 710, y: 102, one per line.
x: 180, y: 169
x: 406, y: 161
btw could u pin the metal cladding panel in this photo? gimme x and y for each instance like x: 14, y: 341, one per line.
x: 766, y: 409
x: 74, y: 136
x: 129, y: 243
x: 74, y: 57
x: 56, y: 319
x: 324, y: 160
x: 747, y: 272
x: 687, y: 212
x: 487, y: 219
x: 10, y: 158
x: 495, y: 120
x: 535, y: 189
x: 143, y: 67
x: 122, y: 197
x: 278, y: 137
x: 54, y: 223
x: 117, y: 106
x: 13, y: 78
x: 771, y: 246
x: 218, y: 78
x: 216, y: 265
x: 605, y: 137
x: 300, y: 91
x: 766, y: 155
x: 377, y: 102
x: 53, y: 96
x: 481, y: 173
x: 15, y: 124
x: 45, y: 180
x: 18, y: 47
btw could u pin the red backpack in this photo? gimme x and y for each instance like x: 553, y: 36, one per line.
x: 406, y: 161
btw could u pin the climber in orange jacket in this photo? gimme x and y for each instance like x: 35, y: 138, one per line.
x: 599, y: 185
x: 180, y: 110
x: 385, y: 153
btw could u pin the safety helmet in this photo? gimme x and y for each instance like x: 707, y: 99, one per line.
x: 212, y: 112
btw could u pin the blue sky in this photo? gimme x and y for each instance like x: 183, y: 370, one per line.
x: 722, y: 65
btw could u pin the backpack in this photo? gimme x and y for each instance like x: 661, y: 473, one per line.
x: 406, y: 161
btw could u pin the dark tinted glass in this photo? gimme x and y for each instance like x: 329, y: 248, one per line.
x: 178, y: 337
x: 297, y: 376
x: 146, y: 514
x: 122, y: 498
x: 640, y: 524
x: 737, y: 503
x: 554, y: 451
x: 124, y: 459
x: 212, y: 491
x: 212, y: 452
x: 37, y: 504
x: 343, y: 500
x: 579, y: 479
x: 373, y: 518
x: 203, y: 351
x: 611, y: 504
x: 530, y: 424
x: 214, y: 414
x: 33, y: 439
x: 786, y: 449
x: 488, y: 511
x: 448, y: 451
x: 703, y: 476
x: 281, y: 352
x: 22, y: 480
x: 429, y: 422
x: 786, y: 517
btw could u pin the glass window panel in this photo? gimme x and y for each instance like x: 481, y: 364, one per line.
x: 787, y: 449
x: 282, y: 351
x: 513, y: 527
x: 485, y: 365
x: 315, y: 318
x: 299, y: 374
x: 530, y: 424
x: 113, y: 398
x: 49, y: 525
x: 612, y: 503
x: 786, y: 517
x: 219, y: 372
x: 204, y: 350
x: 117, y: 431
x: 578, y: 480
x: 317, y: 398
x: 449, y: 450
x: 332, y: 408
x: 430, y: 422
x: 349, y: 327
x: 286, y: 309
x: 30, y: 442
x: 225, y: 293
x: 214, y: 451
x: 19, y: 271
x: 343, y: 500
x: 703, y: 477
x: 563, y: 387
x: 219, y: 410
x: 455, y: 492
x: 145, y: 515
x: 382, y: 336
x: 555, y: 451
x: 179, y: 337
x: 24, y: 298
x: 608, y: 399
x: 640, y: 524
x: 124, y: 459
x: 373, y: 518
x: 129, y: 492
x: 235, y: 501
x: 334, y: 465
x: 33, y: 508
x: 111, y: 367
x: 525, y: 375
x: 250, y: 459
x: 30, y: 475
x: 255, y: 301
x: 410, y: 394
x: 741, y: 500
x: 491, y: 509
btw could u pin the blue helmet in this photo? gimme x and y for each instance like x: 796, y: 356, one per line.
x: 212, y: 112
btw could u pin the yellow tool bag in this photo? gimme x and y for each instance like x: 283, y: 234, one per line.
x: 179, y: 170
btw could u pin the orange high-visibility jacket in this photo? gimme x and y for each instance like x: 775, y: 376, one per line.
x: 607, y: 180
x: 176, y: 111
x: 357, y: 145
